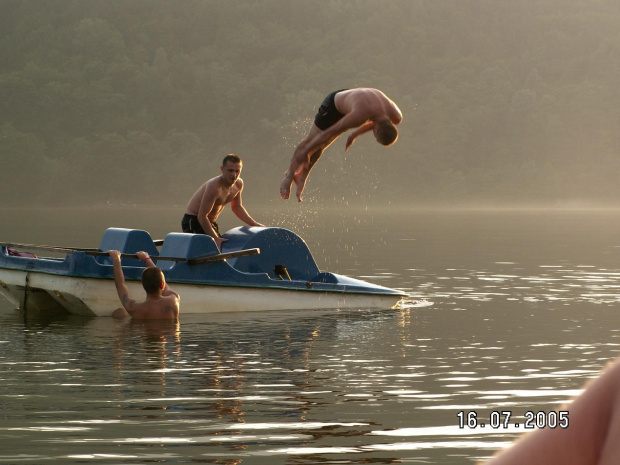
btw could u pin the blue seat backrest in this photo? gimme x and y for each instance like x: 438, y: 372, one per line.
x: 186, y: 246
x: 278, y: 246
x: 127, y: 241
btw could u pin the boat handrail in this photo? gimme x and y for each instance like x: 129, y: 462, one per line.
x: 222, y: 256
x: 99, y: 253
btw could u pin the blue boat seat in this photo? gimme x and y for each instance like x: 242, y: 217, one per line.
x: 278, y: 246
x: 127, y: 241
x: 186, y: 246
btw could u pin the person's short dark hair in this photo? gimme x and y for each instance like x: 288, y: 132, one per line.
x: 152, y: 279
x: 386, y: 132
x: 231, y: 157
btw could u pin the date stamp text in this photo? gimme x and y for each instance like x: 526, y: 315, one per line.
x: 504, y: 419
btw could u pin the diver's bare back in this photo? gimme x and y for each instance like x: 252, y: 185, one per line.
x: 370, y: 102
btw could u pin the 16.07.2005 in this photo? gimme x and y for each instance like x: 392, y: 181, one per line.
x: 501, y: 419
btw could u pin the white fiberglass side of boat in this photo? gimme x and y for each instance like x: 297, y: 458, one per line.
x: 98, y: 297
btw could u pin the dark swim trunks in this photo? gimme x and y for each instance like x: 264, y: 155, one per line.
x: 190, y: 224
x: 328, y: 114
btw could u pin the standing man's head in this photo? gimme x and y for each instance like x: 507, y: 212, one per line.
x: 385, y: 132
x: 231, y: 157
x: 231, y: 168
x: 153, y: 280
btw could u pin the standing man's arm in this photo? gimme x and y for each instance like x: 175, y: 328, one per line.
x: 119, y: 281
x: 236, y: 205
x: 207, y: 203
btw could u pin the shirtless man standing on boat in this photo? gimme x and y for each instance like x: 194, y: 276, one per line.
x: 363, y: 108
x: 209, y: 201
x: 161, y: 303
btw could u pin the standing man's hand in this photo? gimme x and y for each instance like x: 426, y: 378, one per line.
x: 219, y: 241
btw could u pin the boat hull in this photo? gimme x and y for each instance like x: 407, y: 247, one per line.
x: 280, y: 274
x: 98, y: 297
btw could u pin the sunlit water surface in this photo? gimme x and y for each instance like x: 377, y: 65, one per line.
x: 508, y: 312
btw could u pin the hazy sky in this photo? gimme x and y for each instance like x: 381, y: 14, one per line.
x: 502, y: 101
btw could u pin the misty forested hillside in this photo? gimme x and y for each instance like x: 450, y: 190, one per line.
x: 138, y: 101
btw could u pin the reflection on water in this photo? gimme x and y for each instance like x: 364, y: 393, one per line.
x: 507, y: 313
x: 552, y: 283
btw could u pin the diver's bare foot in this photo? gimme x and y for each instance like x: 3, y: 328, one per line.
x: 300, y: 182
x: 285, y: 187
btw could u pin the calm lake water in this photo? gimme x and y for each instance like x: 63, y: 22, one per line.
x: 508, y: 312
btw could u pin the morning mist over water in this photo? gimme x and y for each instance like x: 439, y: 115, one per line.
x: 504, y: 102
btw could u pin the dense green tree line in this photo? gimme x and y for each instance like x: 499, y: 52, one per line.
x: 138, y: 101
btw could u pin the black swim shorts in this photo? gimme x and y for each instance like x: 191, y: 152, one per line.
x: 190, y: 224
x: 328, y: 115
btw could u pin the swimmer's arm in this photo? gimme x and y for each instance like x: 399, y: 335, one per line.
x: 172, y: 309
x: 119, y: 281
x: 167, y: 291
x: 144, y: 257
